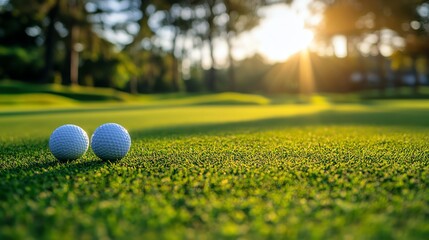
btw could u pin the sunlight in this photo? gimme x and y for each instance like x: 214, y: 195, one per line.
x: 306, y: 75
x: 282, y: 33
x: 340, y: 46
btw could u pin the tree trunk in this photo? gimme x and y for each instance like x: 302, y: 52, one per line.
x: 66, y: 65
x: 381, y: 74
x: 427, y: 67
x: 74, y: 58
x: 348, y: 46
x: 416, y: 74
x: 398, y: 80
x: 231, y: 69
x: 48, y: 69
x: 134, y: 85
x: 364, y: 72
x: 200, y: 71
x: 382, y: 79
x: 175, y: 70
x: 211, y: 80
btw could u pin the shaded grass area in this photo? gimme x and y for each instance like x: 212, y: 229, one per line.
x: 35, y: 99
x: 209, y: 172
x: 71, y: 93
x: 14, y: 94
x: 399, y: 93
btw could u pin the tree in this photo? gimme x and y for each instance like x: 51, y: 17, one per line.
x: 242, y: 16
x: 359, y: 18
x: 50, y: 42
x: 179, y: 25
x: 21, y: 23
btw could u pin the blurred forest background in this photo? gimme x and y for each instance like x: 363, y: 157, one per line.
x: 158, y: 46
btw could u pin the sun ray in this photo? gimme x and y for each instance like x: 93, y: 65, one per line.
x: 306, y: 74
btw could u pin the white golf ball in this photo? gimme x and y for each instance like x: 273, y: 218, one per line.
x: 110, y: 141
x: 68, y: 142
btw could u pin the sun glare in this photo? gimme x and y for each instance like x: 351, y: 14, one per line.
x: 281, y: 33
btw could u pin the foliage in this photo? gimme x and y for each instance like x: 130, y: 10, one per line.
x: 358, y: 20
x: 154, y: 46
x: 14, y: 59
x: 76, y: 39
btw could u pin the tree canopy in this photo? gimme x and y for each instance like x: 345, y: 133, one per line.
x: 156, y: 46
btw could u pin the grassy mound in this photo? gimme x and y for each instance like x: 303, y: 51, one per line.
x: 17, y: 93
x: 34, y: 99
x: 78, y: 93
x: 227, y: 98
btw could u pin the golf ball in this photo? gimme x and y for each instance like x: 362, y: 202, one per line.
x: 110, y: 141
x: 68, y: 142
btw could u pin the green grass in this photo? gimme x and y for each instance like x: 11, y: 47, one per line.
x: 24, y: 96
x: 41, y: 99
x: 76, y: 93
x: 208, y: 171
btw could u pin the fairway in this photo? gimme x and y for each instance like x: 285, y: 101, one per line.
x: 219, y: 170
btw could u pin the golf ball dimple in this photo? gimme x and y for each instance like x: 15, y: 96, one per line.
x: 110, y: 141
x: 68, y: 142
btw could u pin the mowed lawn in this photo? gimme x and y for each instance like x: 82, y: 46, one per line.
x: 214, y: 171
